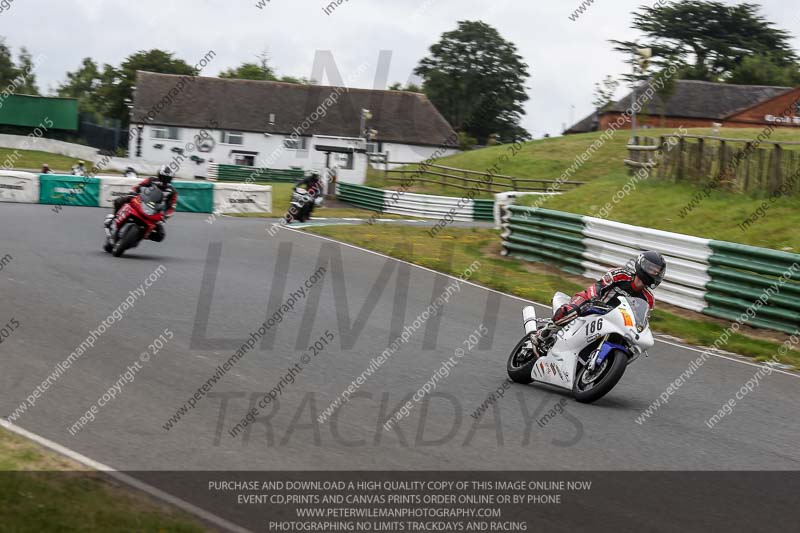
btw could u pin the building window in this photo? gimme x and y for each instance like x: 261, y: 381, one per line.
x: 244, y: 160
x: 374, y: 147
x: 166, y: 132
x: 299, y: 143
x: 232, y: 137
x: 345, y: 161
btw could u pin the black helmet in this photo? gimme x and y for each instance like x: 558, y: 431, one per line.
x: 165, y: 175
x: 650, y: 268
x: 314, y: 174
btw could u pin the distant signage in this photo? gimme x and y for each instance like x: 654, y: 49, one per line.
x: 783, y: 120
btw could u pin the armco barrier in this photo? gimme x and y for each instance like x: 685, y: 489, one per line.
x: 751, y: 285
x: 741, y: 274
x: 101, y: 191
x: 240, y: 173
x: 418, y: 205
x: 360, y: 196
x: 545, y: 236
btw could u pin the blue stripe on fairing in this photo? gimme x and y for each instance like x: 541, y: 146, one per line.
x: 606, y: 349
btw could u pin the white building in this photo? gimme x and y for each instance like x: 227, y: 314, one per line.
x: 189, y: 122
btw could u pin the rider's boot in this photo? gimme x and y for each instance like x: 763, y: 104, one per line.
x: 545, y: 338
x: 107, y: 222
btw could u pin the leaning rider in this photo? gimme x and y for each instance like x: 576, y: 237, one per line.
x: 312, y: 183
x: 164, y: 182
x: 638, y: 282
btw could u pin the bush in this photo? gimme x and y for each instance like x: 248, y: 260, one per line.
x: 466, y: 141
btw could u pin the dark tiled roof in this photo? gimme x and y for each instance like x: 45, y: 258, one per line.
x: 703, y: 99
x: 586, y: 125
x: 245, y: 105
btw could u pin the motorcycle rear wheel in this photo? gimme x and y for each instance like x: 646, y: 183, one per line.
x: 520, y: 362
x: 608, y: 376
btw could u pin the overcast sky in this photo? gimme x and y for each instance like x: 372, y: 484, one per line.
x: 566, y: 58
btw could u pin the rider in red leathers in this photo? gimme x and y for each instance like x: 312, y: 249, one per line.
x: 164, y: 181
x: 647, y: 274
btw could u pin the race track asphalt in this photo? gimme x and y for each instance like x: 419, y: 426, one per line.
x: 60, y: 285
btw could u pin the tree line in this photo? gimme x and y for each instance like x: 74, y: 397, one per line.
x: 472, y: 75
x: 706, y: 41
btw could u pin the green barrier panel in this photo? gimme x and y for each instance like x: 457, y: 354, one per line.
x: 195, y: 196
x: 753, y: 259
x: 545, y: 236
x: 69, y: 190
x: 258, y: 175
x: 483, y: 210
x: 566, y: 221
x: 361, y: 196
x: 742, y: 274
x: 727, y: 314
x: 750, y: 295
x: 767, y: 311
x: 521, y: 231
x: 749, y: 279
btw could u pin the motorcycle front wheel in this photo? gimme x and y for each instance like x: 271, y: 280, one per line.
x: 305, y: 212
x: 520, y: 362
x: 591, y: 386
x: 128, y: 236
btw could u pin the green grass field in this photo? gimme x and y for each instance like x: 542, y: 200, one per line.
x: 653, y: 203
x: 34, y: 159
x: 536, y: 282
x: 42, y: 492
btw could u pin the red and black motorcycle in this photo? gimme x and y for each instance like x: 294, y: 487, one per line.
x: 135, y: 221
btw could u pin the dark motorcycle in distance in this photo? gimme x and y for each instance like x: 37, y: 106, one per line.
x: 135, y: 221
x: 301, y: 205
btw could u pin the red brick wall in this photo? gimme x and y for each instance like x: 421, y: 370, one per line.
x: 657, y: 122
x: 783, y: 105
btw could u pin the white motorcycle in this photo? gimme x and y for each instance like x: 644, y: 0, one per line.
x: 301, y: 205
x: 591, y: 353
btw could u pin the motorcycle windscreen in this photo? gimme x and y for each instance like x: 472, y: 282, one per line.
x: 152, y: 200
x: 641, y: 312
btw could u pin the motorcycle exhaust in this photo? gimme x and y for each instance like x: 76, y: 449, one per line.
x: 529, y: 319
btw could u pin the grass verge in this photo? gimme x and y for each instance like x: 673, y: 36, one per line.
x: 41, y: 491
x: 458, y: 248
x: 34, y: 159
